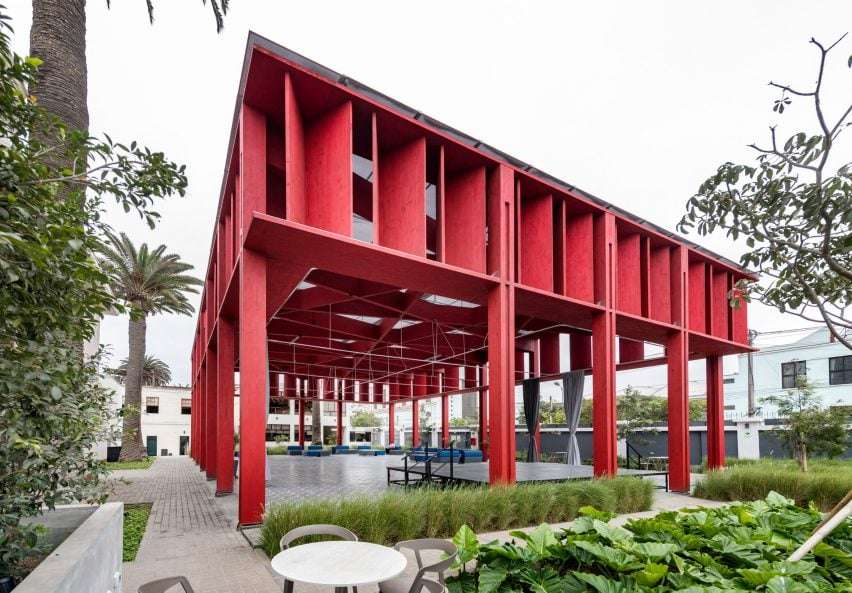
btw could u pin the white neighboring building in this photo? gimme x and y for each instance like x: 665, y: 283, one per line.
x: 826, y: 363
x: 166, y: 413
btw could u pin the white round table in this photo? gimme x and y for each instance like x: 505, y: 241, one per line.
x: 339, y: 564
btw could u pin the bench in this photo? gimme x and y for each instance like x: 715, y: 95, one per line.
x: 342, y: 450
x: 371, y: 452
x: 317, y: 452
x: 294, y: 450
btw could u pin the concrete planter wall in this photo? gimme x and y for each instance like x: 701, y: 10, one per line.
x: 88, y: 561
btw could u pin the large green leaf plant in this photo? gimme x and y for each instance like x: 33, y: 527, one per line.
x: 743, y: 547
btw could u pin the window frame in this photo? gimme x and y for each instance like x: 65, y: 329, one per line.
x: 845, y: 371
x: 800, y: 369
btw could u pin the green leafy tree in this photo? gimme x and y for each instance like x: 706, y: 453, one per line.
x: 364, y: 419
x: 52, y: 407
x: 809, y: 428
x: 155, y: 372
x: 148, y: 282
x: 793, y: 205
x: 636, y: 414
x: 464, y: 422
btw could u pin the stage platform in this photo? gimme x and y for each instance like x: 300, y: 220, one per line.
x: 525, y: 472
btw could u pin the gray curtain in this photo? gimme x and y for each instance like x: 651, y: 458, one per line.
x: 531, y: 411
x: 572, y: 402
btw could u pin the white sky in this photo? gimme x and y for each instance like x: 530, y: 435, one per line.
x: 635, y: 102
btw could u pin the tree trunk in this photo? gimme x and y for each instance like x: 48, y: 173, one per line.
x: 316, y: 422
x: 58, y: 37
x: 131, y: 436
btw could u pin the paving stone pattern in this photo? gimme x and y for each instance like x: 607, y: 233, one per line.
x: 188, y: 533
x: 192, y: 533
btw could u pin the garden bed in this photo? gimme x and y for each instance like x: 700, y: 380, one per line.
x: 825, y: 484
x: 135, y: 522
x: 737, y: 548
x: 432, y: 512
x: 141, y: 464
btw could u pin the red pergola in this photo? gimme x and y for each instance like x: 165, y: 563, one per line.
x: 365, y: 251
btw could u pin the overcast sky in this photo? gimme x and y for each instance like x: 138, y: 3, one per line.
x: 635, y: 102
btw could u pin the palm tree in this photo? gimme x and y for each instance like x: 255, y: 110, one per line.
x: 155, y: 373
x: 58, y: 37
x: 148, y: 282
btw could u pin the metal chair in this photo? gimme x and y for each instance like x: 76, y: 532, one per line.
x: 310, y: 530
x: 430, y: 586
x: 407, y: 584
x: 163, y: 585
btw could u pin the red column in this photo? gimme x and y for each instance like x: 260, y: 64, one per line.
x: 253, y: 355
x: 225, y: 407
x: 194, y: 414
x: 548, y: 364
x: 715, y: 413
x: 501, y: 329
x: 421, y: 388
x: 677, y: 354
x: 391, y: 424
x: 445, y: 421
x: 580, y: 351
x: 210, y: 413
x: 202, y: 422
x: 483, y: 415
x: 451, y: 383
x: 302, y: 402
x: 339, y: 410
x: 604, y: 436
x: 415, y: 423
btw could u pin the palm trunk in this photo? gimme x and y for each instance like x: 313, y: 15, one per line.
x: 58, y: 37
x: 131, y: 436
x: 316, y: 422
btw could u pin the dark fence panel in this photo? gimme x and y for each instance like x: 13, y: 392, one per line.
x: 648, y: 445
x: 773, y: 447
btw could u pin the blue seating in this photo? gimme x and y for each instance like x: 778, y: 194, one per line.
x: 294, y: 450
x: 364, y: 447
x: 317, y: 451
x: 314, y: 446
x: 370, y: 452
x: 445, y: 453
x: 471, y: 455
x: 340, y: 450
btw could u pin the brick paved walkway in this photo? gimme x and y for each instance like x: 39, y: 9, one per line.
x: 188, y: 533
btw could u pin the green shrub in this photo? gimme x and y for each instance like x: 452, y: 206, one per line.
x: 140, y: 464
x: 742, y: 547
x: 825, y: 484
x: 277, y: 450
x: 135, y: 521
x: 432, y: 512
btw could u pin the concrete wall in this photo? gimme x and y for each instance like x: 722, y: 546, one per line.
x: 88, y: 561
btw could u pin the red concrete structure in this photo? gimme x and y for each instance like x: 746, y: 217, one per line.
x: 360, y: 244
